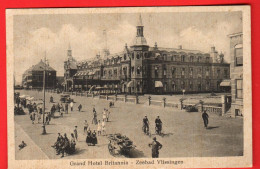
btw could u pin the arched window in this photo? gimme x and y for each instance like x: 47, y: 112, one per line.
x: 156, y: 71
x: 138, y: 70
x: 182, y: 58
x: 191, y: 58
x: 137, y: 56
x: 199, y: 58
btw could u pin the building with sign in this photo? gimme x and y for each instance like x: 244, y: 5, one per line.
x: 140, y: 69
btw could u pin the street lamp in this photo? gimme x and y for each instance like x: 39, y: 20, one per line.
x: 44, y: 72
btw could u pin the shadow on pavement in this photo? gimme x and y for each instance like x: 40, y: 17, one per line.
x: 212, y: 127
x: 135, y: 153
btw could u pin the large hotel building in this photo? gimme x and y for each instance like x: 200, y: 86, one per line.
x: 140, y: 69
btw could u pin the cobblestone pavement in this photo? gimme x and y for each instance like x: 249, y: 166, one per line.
x: 184, y: 134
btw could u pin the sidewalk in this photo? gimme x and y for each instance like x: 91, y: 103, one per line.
x: 31, y: 151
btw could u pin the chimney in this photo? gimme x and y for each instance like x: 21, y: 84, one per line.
x: 213, y: 49
x: 155, y: 45
x: 180, y: 47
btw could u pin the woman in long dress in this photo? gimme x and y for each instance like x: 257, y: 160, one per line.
x: 94, y: 138
x: 89, y: 138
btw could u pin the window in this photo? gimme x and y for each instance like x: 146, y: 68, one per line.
x: 218, y: 73
x: 199, y: 86
x: 182, y: 84
x: 138, y: 70
x: 173, y: 71
x: 225, y: 73
x: 133, y: 56
x: 137, y: 56
x: 182, y: 71
x: 239, y: 55
x: 164, y: 56
x: 191, y: 71
x: 124, y: 56
x: 207, y: 72
x: 207, y: 85
x: 145, y: 55
x: 183, y: 58
x: 173, y: 86
x: 191, y: 58
x: 239, y: 88
x: 115, y: 72
x: 199, y: 58
x: 104, y: 73
x: 164, y: 71
x: 191, y: 85
x: 156, y: 69
x: 110, y: 73
x: 125, y: 70
x: 133, y: 69
x: 207, y: 59
x: 173, y: 58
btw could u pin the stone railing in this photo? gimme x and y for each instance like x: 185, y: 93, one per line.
x: 162, y: 103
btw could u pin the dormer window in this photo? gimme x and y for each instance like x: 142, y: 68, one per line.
x: 207, y: 59
x: 191, y: 58
x: 124, y: 56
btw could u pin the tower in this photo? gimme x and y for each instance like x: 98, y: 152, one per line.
x: 69, y: 53
x: 138, y: 55
x: 105, y: 50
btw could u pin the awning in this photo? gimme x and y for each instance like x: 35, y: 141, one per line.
x: 225, y: 83
x: 158, y: 84
x: 130, y: 84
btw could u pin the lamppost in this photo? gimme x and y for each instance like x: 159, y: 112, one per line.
x: 43, y: 115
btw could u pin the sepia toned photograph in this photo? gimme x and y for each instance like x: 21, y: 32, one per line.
x: 129, y: 87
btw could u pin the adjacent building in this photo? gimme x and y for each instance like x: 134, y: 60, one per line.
x: 236, y: 73
x: 33, y: 77
x: 141, y: 69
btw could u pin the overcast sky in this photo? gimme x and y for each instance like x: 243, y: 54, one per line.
x: 35, y: 34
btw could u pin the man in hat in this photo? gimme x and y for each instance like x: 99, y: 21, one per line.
x: 156, y: 146
x: 205, y: 118
x: 145, y: 124
x: 158, y: 124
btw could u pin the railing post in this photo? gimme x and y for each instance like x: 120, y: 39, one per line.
x: 136, y: 99
x: 115, y: 97
x: 125, y: 98
x: 149, y: 100
x: 223, y: 101
x: 106, y: 97
x: 164, y: 102
x: 201, y: 106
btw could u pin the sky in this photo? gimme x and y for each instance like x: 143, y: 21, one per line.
x: 35, y: 35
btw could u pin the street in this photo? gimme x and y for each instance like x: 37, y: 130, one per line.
x: 183, y: 132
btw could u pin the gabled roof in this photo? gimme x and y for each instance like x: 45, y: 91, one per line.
x: 41, y: 66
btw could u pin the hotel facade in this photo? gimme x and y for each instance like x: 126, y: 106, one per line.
x: 142, y: 69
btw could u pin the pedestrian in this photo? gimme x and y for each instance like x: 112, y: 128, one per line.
x: 156, y: 146
x: 71, y: 106
x: 103, y: 127
x: 85, y: 126
x: 80, y: 107
x: 72, y: 144
x: 104, y: 115
x: 158, y: 125
x: 33, y: 117
x: 94, y: 138
x: 107, y: 114
x: 99, y: 128
x: 205, y: 118
x: 145, y: 125
x: 66, y: 108
x: 89, y: 137
x: 94, y: 120
x: 76, y: 132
